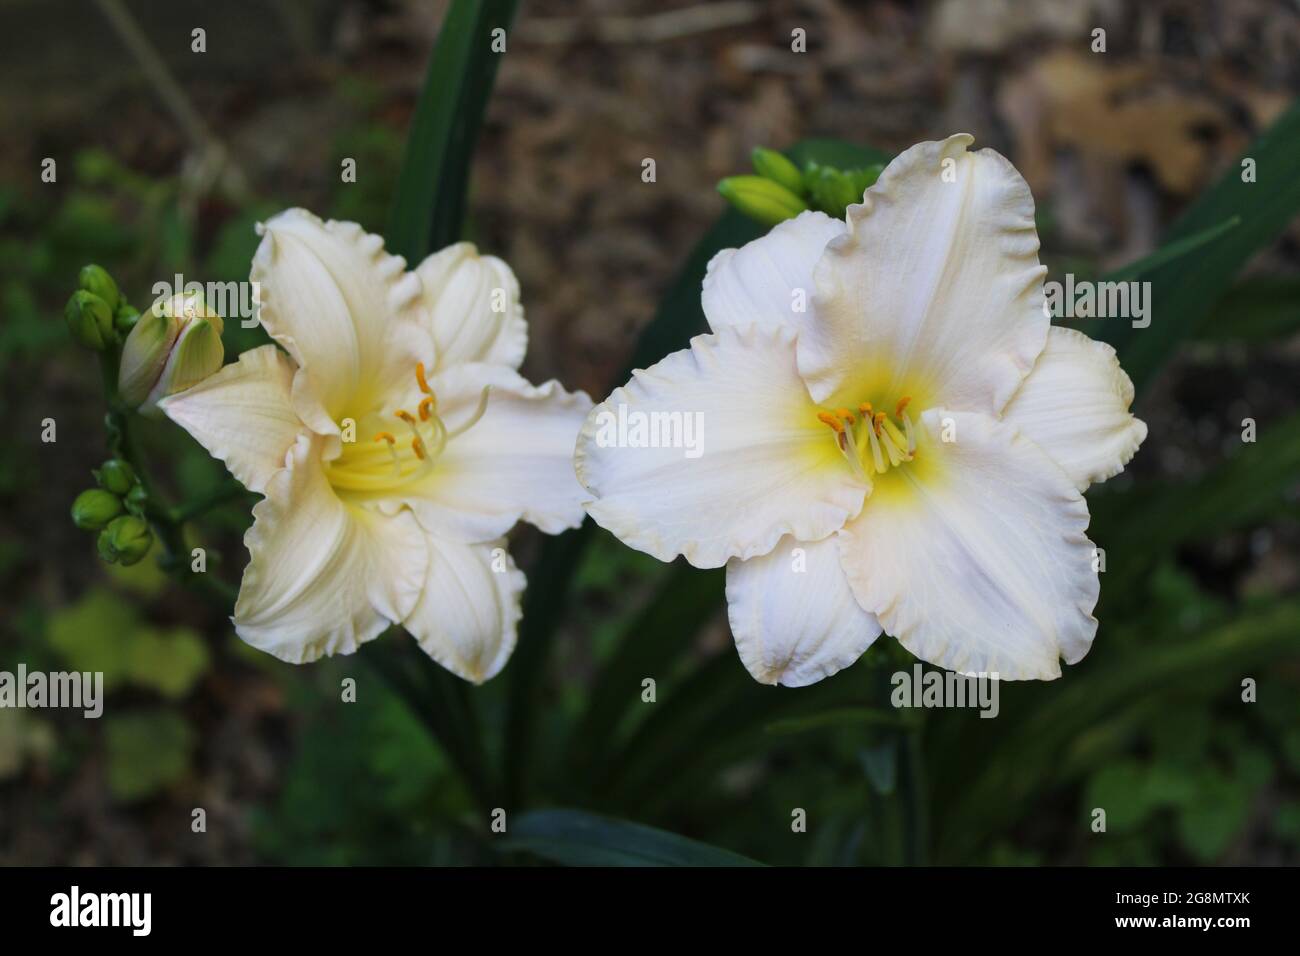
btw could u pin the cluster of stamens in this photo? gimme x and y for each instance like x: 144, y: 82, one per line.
x: 429, y: 436
x: 872, y: 433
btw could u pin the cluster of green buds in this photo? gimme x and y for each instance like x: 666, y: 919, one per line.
x: 97, y: 314
x: 780, y: 190
x: 115, y: 510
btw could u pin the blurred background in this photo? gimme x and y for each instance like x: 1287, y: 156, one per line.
x: 166, y: 160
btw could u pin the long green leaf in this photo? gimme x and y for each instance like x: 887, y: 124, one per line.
x: 1173, y: 251
x: 429, y: 208
x: 656, y: 637
x: 1028, y: 758
x: 1185, y: 291
x: 1139, y: 525
x: 1255, y: 310
x: 577, y: 838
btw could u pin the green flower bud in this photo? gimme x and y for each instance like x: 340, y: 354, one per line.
x: 863, y: 179
x: 95, y: 508
x: 96, y: 280
x: 125, y: 318
x: 174, y: 345
x: 833, y: 192
x: 90, y: 319
x: 125, y: 541
x: 135, y: 500
x: 772, y: 165
x: 116, y: 476
x: 761, y: 199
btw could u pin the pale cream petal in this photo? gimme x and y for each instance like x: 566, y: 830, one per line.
x: 976, y: 557
x: 936, y: 289
x: 793, y: 616
x: 515, y: 463
x: 471, y: 307
x: 467, y: 615
x: 323, y: 576
x: 243, y: 415
x: 1074, y: 405
x: 769, y: 281
x: 741, y: 457
x: 343, y: 308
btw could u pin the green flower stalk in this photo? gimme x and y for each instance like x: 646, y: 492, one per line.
x: 173, y: 346
x: 95, y: 508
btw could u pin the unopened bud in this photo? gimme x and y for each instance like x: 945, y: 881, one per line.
x: 90, y: 320
x: 116, y: 476
x: 772, y: 165
x: 95, y: 508
x: 864, y: 178
x: 125, y: 541
x: 174, y: 345
x: 833, y: 191
x: 95, y: 279
x: 125, y: 318
x: 761, y: 199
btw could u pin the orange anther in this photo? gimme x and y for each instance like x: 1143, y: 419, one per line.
x: 405, y: 416
x: 418, y: 446
x: 845, y: 414
x: 876, y: 422
x: 385, y: 436
x: 420, y: 379
x: 902, y: 404
x: 865, y: 408
x: 427, y: 404
x: 827, y: 418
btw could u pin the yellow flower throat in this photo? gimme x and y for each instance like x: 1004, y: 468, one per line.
x: 387, y: 463
x: 870, y: 440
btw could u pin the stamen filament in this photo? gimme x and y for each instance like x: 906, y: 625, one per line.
x: 473, y: 419
x: 896, y: 437
x: 911, y: 436
x: 876, y: 457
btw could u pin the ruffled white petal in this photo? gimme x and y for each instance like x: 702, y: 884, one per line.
x: 936, y: 290
x: 323, y: 577
x: 764, y: 466
x: 467, y: 616
x: 242, y: 414
x: 343, y: 308
x: 793, y: 616
x: 1074, y: 405
x: 471, y: 307
x: 979, y: 563
x: 515, y: 463
x: 769, y: 281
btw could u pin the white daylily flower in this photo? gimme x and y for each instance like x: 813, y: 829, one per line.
x: 395, y: 444
x: 907, y: 452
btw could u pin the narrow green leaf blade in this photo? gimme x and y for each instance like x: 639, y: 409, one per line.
x: 577, y: 838
x: 429, y: 207
x: 1185, y: 291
